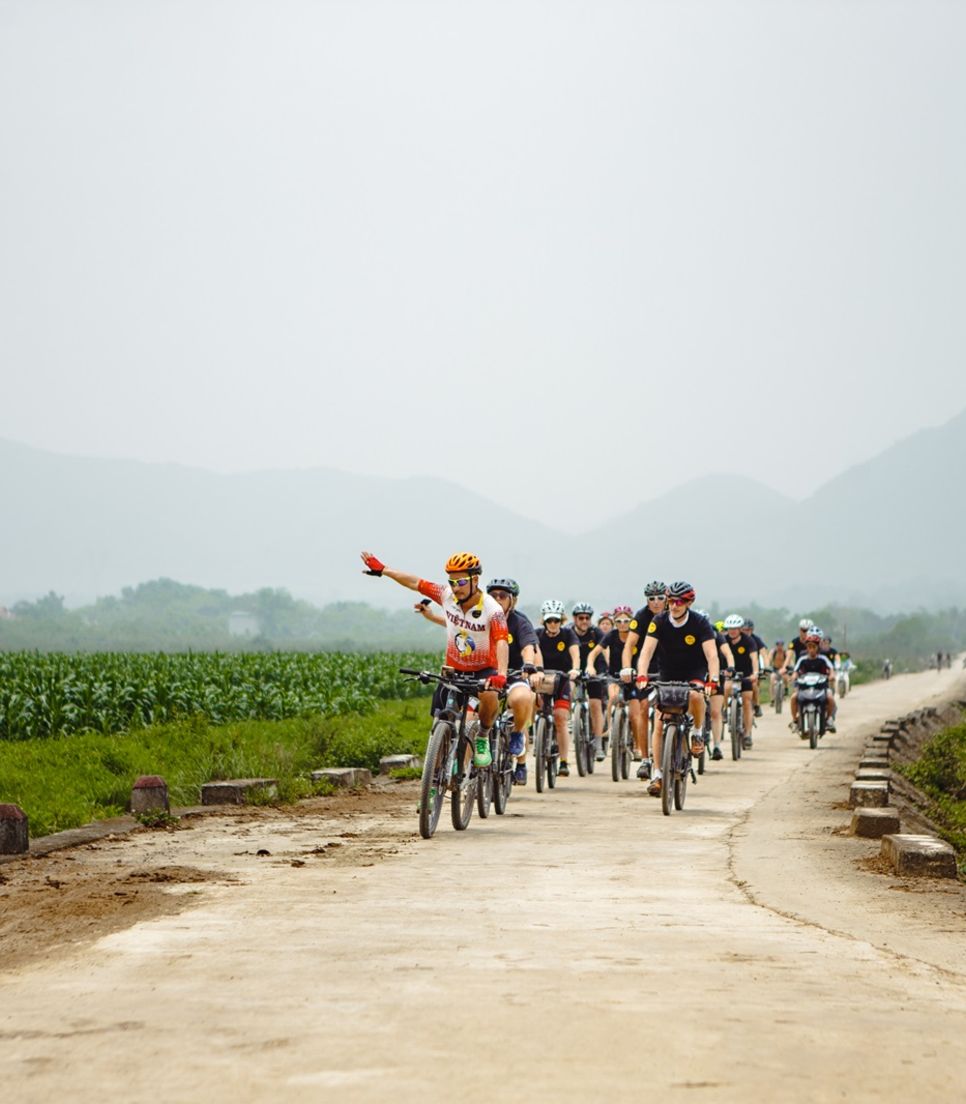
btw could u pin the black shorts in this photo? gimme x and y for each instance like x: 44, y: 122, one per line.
x: 630, y: 691
x: 595, y: 689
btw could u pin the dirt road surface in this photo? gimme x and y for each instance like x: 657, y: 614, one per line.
x: 581, y: 947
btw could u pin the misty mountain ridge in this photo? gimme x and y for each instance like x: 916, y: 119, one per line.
x: 886, y: 533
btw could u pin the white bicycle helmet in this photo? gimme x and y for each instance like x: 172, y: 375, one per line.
x: 734, y: 621
x: 551, y: 608
x: 805, y: 623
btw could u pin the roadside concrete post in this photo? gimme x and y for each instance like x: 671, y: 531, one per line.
x: 149, y: 795
x: 14, y: 830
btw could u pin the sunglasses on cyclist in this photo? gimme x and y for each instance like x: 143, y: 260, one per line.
x: 677, y: 601
x: 501, y: 594
x: 460, y: 582
x: 655, y: 597
x: 582, y: 616
x: 622, y: 621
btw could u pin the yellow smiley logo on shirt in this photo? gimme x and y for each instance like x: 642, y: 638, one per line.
x: 741, y: 651
x: 689, y: 639
x: 561, y: 646
x: 652, y: 627
x: 634, y: 624
x: 509, y: 638
x: 634, y: 651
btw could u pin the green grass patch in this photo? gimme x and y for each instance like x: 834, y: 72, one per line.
x: 940, y: 773
x: 65, y: 782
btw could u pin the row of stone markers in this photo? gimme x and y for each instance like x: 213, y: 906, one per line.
x: 872, y: 816
x: 150, y: 795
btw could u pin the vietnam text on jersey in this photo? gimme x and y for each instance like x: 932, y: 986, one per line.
x: 471, y: 635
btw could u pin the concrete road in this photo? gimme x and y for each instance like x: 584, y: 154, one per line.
x: 584, y: 946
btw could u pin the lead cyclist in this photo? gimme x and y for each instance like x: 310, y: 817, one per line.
x: 476, y: 631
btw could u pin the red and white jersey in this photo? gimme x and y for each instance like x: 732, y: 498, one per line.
x: 471, y: 635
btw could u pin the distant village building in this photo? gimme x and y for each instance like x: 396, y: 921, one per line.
x: 243, y: 623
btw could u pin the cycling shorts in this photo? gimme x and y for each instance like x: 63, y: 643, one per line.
x: 595, y: 689
x: 561, y: 697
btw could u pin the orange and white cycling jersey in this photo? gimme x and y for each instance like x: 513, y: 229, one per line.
x: 471, y: 636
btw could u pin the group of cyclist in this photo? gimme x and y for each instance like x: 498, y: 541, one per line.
x: 667, y: 639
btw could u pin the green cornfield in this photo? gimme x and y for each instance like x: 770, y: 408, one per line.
x: 60, y: 694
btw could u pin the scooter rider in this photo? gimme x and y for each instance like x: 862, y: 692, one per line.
x: 813, y: 662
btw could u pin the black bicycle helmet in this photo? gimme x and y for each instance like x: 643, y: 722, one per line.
x: 510, y: 585
x: 583, y: 607
x: 749, y: 624
x: 655, y: 589
x: 681, y: 589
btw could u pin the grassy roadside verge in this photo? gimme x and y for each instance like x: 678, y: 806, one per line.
x: 63, y: 783
x: 940, y: 773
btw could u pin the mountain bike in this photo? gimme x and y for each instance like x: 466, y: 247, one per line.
x: 546, y: 752
x: 583, y: 741
x: 448, y: 764
x: 501, y: 772
x: 734, y: 714
x: 671, y: 701
x: 812, y: 708
x: 621, y: 738
x: 705, y: 739
x: 777, y: 688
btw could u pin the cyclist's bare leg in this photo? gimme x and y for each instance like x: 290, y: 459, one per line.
x: 793, y: 702
x: 748, y: 710
x: 489, y: 707
x: 696, y: 709
x: 561, y: 720
x: 596, y: 718
x: 635, y: 712
x: 520, y: 700
x: 717, y: 718
x: 657, y: 742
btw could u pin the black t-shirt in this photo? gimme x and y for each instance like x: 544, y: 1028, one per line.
x: 830, y: 651
x: 817, y: 666
x: 520, y: 633
x: 639, y: 624
x: 755, y: 639
x: 615, y: 663
x: 682, y: 655
x: 719, y: 639
x: 742, y: 650
x: 588, y: 641
x: 797, y: 647
x: 556, y: 649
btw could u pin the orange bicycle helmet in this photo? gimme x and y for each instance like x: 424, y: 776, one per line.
x: 463, y: 562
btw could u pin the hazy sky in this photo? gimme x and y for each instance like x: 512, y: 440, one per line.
x: 514, y: 244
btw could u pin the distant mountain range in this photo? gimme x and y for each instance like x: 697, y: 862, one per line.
x: 889, y: 533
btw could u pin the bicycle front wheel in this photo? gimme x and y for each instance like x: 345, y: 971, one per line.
x: 464, y: 794
x: 779, y: 693
x: 682, y: 768
x: 503, y: 779
x: 540, y: 750
x: 434, y: 780
x: 667, y: 768
x: 578, y: 735
x: 617, y: 746
x: 733, y: 729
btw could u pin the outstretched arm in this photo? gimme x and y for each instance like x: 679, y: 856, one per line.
x: 375, y: 566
